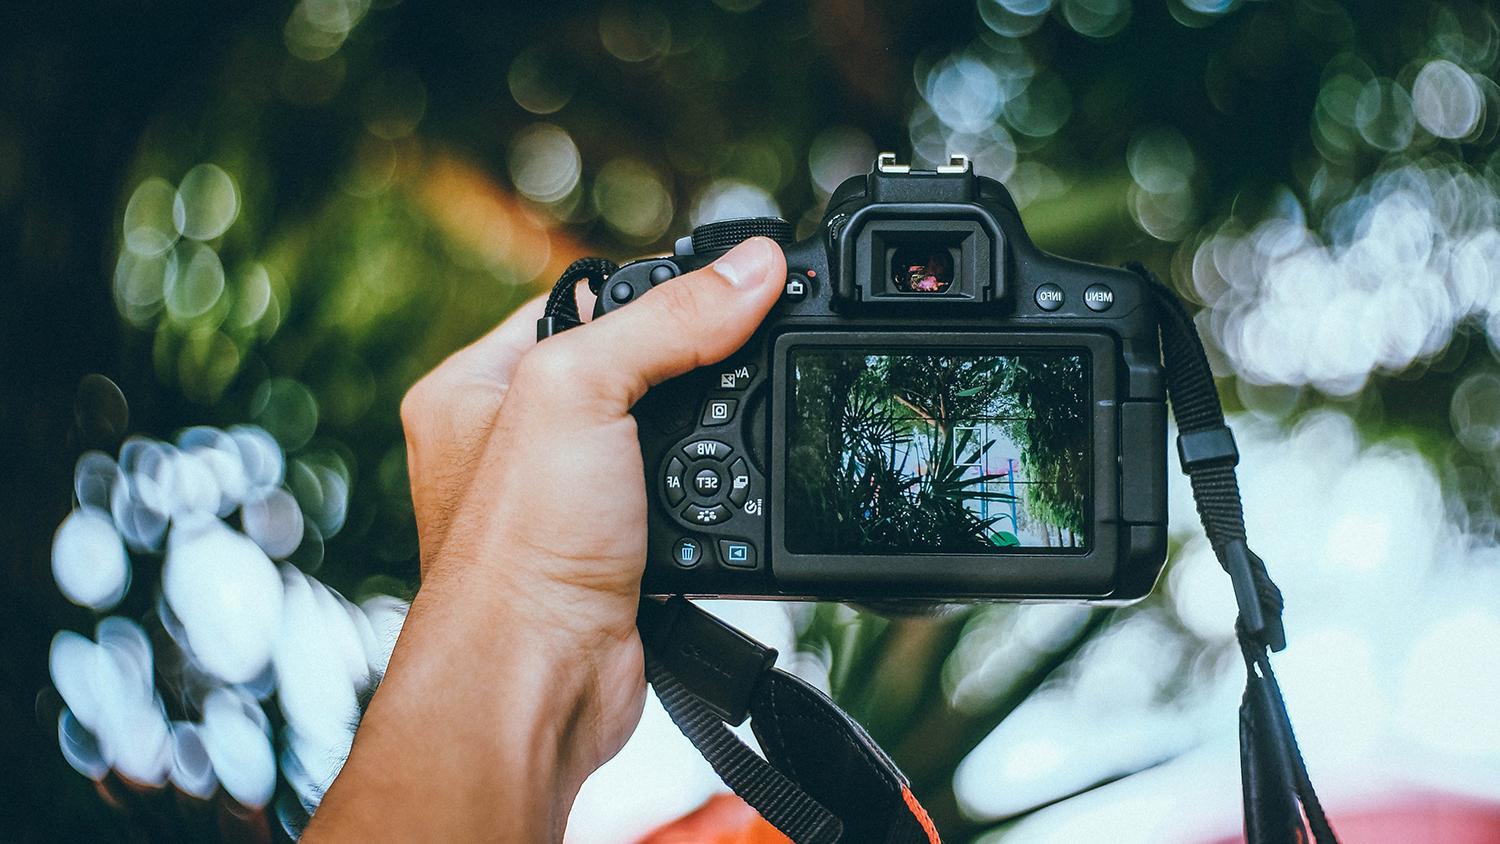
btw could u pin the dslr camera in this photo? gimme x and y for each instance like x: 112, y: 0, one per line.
x: 934, y: 411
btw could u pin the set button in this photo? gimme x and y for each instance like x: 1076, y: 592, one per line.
x: 706, y: 483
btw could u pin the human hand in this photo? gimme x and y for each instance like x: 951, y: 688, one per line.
x: 519, y: 670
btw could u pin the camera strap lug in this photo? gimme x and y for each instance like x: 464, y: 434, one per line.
x: 716, y: 662
x: 823, y: 779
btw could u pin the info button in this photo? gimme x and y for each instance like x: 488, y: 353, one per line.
x: 1049, y: 297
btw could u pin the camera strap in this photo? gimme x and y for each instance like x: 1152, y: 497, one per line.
x: 824, y: 780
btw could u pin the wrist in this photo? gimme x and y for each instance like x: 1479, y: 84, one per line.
x: 480, y: 721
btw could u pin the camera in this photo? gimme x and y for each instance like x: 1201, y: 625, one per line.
x: 934, y: 411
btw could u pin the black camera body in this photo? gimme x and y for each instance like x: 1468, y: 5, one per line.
x: 935, y: 411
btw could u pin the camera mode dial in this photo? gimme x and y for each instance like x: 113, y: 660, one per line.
x: 727, y: 234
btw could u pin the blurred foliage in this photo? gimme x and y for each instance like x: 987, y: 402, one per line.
x: 402, y: 175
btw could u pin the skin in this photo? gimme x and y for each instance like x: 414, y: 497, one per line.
x: 519, y: 671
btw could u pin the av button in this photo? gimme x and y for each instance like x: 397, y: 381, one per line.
x: 706, y: 483
x: 736, y: 553
x: 687, y: 552
x: 672, y: 482
x: 736, y: 378
x: 1049, y: 297
x: 710, y: 515
x: 718, y: 412
x: 739, y: 481
x: 1098, y: 297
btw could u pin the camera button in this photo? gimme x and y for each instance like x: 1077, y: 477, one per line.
x: 688, y: 552
x: 797, y: 287
x: 718, y: 412
x: 706, y: 483
x: 672, y: 482
x: 736, y: 553
x: 1098, y: 297
x: 621, y: 291
x: 706, y: 450
x: 661, y: 273
x: 710, y: 515
x: 739, y: 481
x: 1049, y: 297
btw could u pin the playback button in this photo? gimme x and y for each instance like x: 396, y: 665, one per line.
x: 737, y: 553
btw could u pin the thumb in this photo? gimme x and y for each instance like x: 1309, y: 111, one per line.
x: 682, y: 324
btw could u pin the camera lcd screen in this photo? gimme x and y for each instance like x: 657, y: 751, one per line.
x: 928, y: 452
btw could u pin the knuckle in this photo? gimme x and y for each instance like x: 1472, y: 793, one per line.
x: 415, y: 404
x: 546, y: 368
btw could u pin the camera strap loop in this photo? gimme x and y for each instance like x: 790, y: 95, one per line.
x: 561, y: 312
x: 1273, y: 773
x: 824, y: 780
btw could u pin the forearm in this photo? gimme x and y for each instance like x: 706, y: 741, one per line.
x: 474, y: 734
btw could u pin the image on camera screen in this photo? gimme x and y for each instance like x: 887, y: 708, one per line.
x: 923, y: 453
x: 921, y: 269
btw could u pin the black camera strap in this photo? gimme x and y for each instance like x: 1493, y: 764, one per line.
x: 824, y: 780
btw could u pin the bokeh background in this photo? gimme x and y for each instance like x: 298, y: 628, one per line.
x: 232, y: 235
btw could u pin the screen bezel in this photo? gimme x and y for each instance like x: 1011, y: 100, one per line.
x: 992, y: 574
